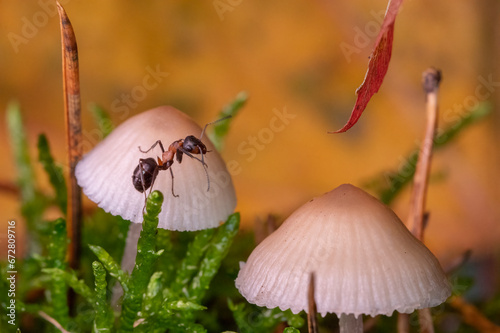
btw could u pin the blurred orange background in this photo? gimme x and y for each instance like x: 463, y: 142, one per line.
x: 300, y: 58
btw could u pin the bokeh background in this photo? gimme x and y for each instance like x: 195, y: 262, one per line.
x: 300, y: 58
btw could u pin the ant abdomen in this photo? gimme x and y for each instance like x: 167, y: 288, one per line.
x: 149, y: 171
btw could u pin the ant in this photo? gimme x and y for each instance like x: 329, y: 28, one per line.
x: 146, y: 171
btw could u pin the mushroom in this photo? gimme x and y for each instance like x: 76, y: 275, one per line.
x: 364, y: 259
x: 105, y: 173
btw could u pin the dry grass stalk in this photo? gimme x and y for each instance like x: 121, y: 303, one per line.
x: 72, y: 111
x: 312, y: 314
x: 417, y: 216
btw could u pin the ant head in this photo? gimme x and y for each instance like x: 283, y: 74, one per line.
x: 144, y: 174
x: 191, y: 143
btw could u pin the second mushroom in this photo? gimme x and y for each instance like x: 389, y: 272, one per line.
x: 364, y: 259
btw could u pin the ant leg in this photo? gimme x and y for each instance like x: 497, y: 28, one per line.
x: 154, y: 145
x: 202, y: 156
x: 155, y: 173
x: 202, y: 161
x: 172, y: 174
x: 141, y: 169
x: 143, y: 181
x: 192, y: 156
x: 205, y: 166
x: 206, y: 172
x: 208, y: 178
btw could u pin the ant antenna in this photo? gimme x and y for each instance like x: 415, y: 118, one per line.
x: 213, y: 122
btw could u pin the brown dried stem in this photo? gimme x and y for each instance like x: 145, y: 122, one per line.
x: 263, y: 229
x: 52, y: 321
x: 472, y: 316
x: 431, y: 78
x: 403, y: 323
x: 417, y: 217
x: 72, y: 111
x: 10, y: 188
x: 312, y: 322
x: 425, y: 321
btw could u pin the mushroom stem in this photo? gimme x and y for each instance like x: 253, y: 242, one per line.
x: 128, y: 260
x: 348, y: 323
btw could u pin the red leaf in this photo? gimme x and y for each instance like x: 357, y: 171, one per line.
x: 377, y: 66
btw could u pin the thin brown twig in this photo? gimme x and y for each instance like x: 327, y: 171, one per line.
x: 417, y: 219
x: 52, y: 321
x: 280, y: 328
x: 403, y: 323
x: 138, y: 322
x: 312, y: 313
x: 263, y: 229
x: 431, y: 79
x: 472, y: 316
x: 72, y: 111
x: 458, y: 263
x: 425, y: 320
x: 8, y: 187
x: 370, y: 323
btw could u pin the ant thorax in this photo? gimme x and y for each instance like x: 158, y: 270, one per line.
x: 167, y: 157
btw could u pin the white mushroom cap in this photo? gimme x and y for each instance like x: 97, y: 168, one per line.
x: 105, y: 173
x: 364, y: 259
